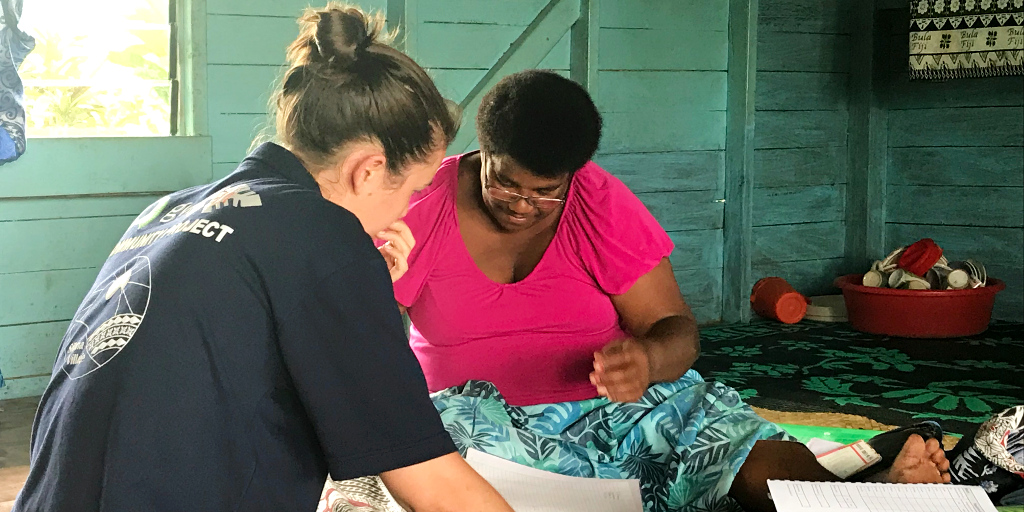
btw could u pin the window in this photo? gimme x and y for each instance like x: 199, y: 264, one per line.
x: 100, y: 69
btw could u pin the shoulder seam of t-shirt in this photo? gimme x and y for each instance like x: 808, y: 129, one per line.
x: 438, y: 182
x: 607, y: 180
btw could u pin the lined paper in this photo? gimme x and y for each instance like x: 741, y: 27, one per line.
x: 531, y: 490
x: 877, y: 497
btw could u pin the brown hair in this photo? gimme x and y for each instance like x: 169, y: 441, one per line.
x: 344, y: 83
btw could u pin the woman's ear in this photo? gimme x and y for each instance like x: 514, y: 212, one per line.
x: 366, y: 169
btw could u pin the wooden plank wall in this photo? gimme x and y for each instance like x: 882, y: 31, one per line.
x: 737, y: 272
x: 802, y: 99
x: 662, y: 85
x: 458, y: 41
x: 956, y: 167
x: 63, y: 206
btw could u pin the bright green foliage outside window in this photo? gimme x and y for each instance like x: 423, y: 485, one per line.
x: 100, y: 68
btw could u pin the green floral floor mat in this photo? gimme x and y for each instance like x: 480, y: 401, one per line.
x: 818, y: 367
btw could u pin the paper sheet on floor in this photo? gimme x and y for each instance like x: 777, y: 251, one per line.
x: 874, y: 497
x: 531, y: 490
x: 819, y: 446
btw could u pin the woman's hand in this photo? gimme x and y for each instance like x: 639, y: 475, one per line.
x: 622, y: 371
x: 396, y: 251
x: 654, y: 313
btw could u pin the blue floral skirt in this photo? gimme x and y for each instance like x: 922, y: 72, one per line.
x: 685, y: 440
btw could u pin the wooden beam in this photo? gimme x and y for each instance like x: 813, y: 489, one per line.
x: 193, y: 117
x: 394, y: 12
x: 739, y: 161
x: 412, y: 28
x: 867, y: 139
x: 401, y: 17
x: 583, y: 47
x: 527, y: 51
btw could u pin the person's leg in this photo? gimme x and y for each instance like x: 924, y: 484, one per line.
x: 917, y: 462
x: 774, y: 460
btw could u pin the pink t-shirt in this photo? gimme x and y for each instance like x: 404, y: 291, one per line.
x: 533, y: 339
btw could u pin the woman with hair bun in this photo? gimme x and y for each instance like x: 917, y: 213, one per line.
x: 242, y: 341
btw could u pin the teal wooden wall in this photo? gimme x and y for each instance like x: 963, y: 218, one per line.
x: 955, y: 166
x: 800, y: 156
x: 458, y: 41
x: 662, y: 88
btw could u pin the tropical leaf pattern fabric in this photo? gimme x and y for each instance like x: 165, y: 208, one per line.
x: 685, y: 440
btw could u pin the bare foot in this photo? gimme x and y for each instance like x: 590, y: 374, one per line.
x: 919, y: 462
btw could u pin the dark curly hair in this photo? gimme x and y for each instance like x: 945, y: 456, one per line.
x: 543, y: 121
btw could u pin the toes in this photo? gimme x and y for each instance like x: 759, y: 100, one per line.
x: 939, y: 459
x: 920, y: 461
x: 914, y: 447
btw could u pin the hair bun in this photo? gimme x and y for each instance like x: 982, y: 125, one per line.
x: 336, y: 35
x: 342, y: 33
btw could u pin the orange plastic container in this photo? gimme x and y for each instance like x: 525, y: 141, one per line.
x: 918, y: 313
x: 774, y: 298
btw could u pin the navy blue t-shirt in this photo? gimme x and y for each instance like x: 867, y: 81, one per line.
x: 241, y: 341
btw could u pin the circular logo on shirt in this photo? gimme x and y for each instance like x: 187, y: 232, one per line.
x: 108, y: 318
x: 151, y: 212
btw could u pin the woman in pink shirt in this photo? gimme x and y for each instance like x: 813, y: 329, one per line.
x: 543, y: 303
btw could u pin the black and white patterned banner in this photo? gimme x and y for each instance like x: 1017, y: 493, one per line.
x: 966, y: 38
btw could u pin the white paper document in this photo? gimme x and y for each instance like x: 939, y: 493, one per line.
x: 531, y: 490
x: 875, y: 497
x: 822, y: 446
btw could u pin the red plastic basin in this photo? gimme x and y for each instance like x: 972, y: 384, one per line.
x: 918, y: 313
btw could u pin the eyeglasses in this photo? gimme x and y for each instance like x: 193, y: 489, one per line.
x: 540, y: 203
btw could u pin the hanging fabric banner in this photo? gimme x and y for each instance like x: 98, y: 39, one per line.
x: 14, y: 46
x: 966, y: 38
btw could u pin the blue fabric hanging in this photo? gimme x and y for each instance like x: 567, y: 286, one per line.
x: 15, y: 45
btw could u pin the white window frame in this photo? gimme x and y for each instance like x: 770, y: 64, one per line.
x: 191, y: 70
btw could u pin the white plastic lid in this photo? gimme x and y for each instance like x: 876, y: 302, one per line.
x: 827, y: 308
